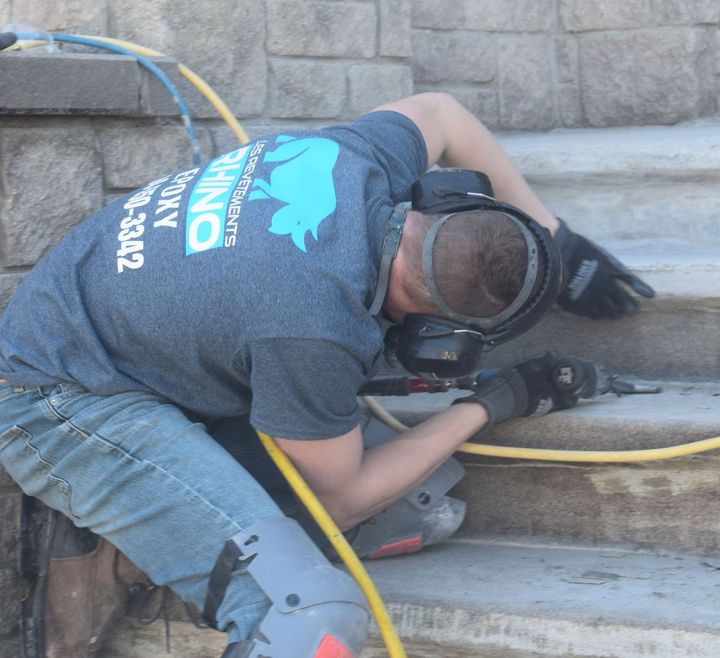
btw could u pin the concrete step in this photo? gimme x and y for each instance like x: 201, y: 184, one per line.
x: 672, y: 504
x: 132, y: 640
x: 511, y: 600
x: 676, y: 334
x: 627, y: 183
x: 553, y: 601
x: 677, y: 269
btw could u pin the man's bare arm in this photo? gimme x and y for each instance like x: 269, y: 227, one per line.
x: 354, y: 484
x: 456, y: 138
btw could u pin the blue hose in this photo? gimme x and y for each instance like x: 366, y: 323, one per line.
x: 143, y: 61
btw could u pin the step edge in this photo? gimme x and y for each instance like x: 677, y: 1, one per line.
x: 553, y: 636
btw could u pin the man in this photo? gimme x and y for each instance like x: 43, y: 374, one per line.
x: 243, y: 286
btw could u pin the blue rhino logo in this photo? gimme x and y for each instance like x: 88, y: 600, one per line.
x: 303, y: 180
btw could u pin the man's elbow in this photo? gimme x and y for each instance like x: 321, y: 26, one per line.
x: 426, y: 108
x: 435, y: 101
x: 341, y: 509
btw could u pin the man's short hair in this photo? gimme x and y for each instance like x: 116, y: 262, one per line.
x: 479, y: 262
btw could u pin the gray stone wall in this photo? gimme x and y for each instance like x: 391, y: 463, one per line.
x: 520, y: 64
x: 78, y: 129
x: 539, y: 64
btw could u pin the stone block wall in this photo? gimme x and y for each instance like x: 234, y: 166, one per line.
x: 77, y: 129
x: 521, y: 64
x: 540, y: 64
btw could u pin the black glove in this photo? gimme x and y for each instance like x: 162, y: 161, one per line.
x: 524, y: 389
x: 594, y: 289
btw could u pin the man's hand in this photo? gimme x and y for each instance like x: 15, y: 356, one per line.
x: 524, y: 389
x: 594, y: 287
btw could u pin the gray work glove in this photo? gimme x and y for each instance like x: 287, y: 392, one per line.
x: 524, y: 389
x: 594, y: 287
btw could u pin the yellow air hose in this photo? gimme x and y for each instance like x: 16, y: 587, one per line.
x: 652, y: 454
x: 340, y: 544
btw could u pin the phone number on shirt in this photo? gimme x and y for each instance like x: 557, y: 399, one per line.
x: 130, y: 254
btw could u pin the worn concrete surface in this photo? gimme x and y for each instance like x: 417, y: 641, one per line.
x: 675, y: 268
x: 186, y: 641
x: 670, y: 338
x: 555, y: 601
x: 376, y: 649
x: 675, y: 335
x: 504, y: 600
x: 661, y: 504
x: 681, y: 151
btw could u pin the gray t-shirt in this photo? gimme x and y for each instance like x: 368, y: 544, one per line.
x: 243, y: 283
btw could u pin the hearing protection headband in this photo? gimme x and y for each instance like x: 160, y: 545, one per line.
x: 485, y: 323
x: 450, y: 346
x: 450, y: 191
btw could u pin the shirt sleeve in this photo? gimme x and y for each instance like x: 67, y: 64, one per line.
x: 303, y: 388
x: 397, y: 146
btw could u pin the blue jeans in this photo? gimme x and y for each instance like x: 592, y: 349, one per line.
x: 136, y: 470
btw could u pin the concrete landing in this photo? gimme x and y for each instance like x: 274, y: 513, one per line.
x: 554, y: 601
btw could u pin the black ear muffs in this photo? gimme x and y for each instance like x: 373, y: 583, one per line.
x: 434, y: 348
x: 444, y: 191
